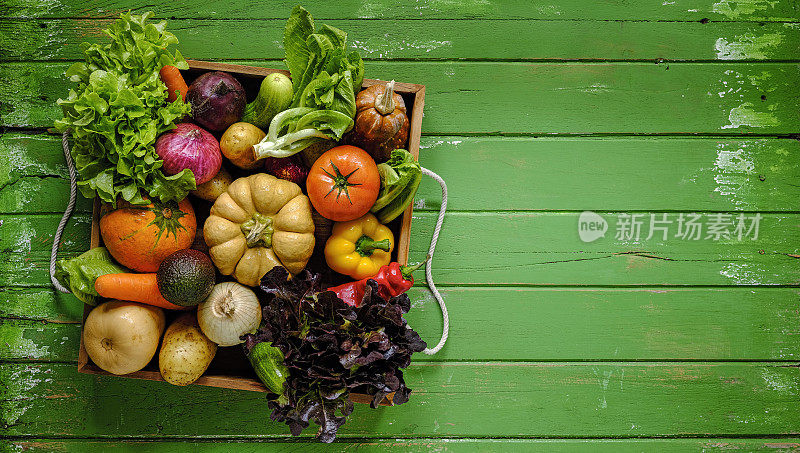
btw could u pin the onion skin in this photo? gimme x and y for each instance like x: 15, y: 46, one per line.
x: 190, y: 146
x: 218, y: 100
x: 230, y: 311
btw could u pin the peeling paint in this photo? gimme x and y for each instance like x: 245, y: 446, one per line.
x: 732, y: 169
x: 744, y: 273
x: 379, y: 10
x: 733, y: 9
x: 748, y: 47
x: 746, y: 115
x: 388, y: 46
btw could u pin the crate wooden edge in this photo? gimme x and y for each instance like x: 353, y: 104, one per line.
x: 403, y: 243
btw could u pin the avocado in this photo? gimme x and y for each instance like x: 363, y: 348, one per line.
x: 186, y: 277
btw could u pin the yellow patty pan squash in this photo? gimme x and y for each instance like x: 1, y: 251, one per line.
x: 260, y: 222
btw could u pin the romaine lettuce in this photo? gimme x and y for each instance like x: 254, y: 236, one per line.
x: 325, y: 78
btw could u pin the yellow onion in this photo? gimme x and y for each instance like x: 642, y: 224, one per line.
x: 231, y: 311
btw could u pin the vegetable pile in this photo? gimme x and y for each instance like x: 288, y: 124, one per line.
x: 209, y: 221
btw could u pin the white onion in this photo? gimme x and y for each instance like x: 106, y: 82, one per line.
x: 231, y: 311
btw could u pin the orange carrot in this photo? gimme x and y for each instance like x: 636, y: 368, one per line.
x: 135, y: 288
x: 172, y: 78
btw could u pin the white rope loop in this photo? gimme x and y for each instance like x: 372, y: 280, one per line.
x: 73, y: 191
x: 429, y: 265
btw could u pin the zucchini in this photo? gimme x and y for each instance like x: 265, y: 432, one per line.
x: 274, y: 96
x: 267, y: 361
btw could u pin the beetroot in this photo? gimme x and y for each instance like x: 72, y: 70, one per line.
x: 286, y: 168
x: 217, y: 100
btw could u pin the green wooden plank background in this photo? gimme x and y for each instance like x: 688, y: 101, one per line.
x: 580, y: 399
x: 451, y: 39
x: 550, y: 324
x: 590, y: 10
x: 535, y: 111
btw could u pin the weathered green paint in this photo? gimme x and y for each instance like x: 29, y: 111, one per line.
x: 414, y: 445
x: 531, y: 98
x: 508, y: 248
x: 677, y: 10
x: 39, y: 304
x: 548, y: 324
x: 451, y: 39
x: 38, y: 340
x: 718, y: 175
x: 452, y: 399
x: 551, y: 337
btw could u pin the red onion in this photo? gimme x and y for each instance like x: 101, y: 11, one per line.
x: 189, y: 146
x: 217, y: 100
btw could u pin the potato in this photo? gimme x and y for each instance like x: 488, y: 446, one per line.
x: 237, y: 145
x: 185, y: 351
x: 214, y: 187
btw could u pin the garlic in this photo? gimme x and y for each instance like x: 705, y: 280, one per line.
x: 231, y: 311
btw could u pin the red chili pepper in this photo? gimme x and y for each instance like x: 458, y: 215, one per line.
x: 393, y: 280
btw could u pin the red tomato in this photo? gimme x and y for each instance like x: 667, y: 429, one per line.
x: 343, y: 183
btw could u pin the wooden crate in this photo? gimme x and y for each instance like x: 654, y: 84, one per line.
x: 230, y: 368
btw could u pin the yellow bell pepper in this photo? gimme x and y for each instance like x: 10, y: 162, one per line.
x: 360, y: 247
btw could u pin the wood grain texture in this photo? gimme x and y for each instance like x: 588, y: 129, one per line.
x: 434, y: 40
x: 531, y: 98
x: 549, y: 324
x: 421, y: 445
x: 718, y: 174
x: 596, y: 10
x: 481, y: 399
x: 509, y: 248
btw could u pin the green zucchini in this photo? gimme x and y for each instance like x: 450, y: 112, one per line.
x: 274, y: 96
x: 267, y: 361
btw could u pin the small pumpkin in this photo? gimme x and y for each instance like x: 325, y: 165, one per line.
x: 140, y: 237
x: 381, y: 122
x: 259, y: 223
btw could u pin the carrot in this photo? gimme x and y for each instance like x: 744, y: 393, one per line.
x: 172, y: 78
x: 135, y: 288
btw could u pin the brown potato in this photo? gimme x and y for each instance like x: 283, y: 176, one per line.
x: 215, y: 187
x: 237, y: 143
x: 185, y: 352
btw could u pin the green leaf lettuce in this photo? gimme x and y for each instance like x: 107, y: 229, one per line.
x: 118, y: 109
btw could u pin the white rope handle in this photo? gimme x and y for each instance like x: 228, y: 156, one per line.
x: 429, y: 265
x: 73, y: 191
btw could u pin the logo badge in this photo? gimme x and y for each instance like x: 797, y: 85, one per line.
x: 591, y: 226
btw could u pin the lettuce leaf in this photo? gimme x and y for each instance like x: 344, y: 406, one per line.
x: 79, y: 273
x: 118, y: 109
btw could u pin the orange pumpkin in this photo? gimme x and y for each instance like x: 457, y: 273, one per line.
x: 140, y: 237
x: 381, y: 124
